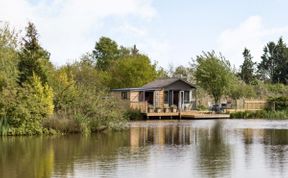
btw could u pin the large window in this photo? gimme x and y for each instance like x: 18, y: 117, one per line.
x: 186, y: 96
x: 124, y: 95
x: 141, y: 96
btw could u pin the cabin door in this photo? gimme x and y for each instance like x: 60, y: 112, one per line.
x: 181, y: 100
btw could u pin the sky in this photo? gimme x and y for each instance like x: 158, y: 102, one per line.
x: 170, y: 32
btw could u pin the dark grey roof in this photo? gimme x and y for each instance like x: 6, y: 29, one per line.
x: 130, y: 89
x: 126, y: 89
x: 156, y: 84
x: 162, y: 83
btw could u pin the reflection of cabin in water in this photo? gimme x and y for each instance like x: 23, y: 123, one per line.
x: 164, y: 95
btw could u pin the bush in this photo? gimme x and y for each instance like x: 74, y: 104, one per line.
x: 133, y: 114
x: 278, y: 103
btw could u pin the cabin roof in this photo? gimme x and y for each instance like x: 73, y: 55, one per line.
x: 156, y: 84
x: 127, y: 89
x: 162, y: 83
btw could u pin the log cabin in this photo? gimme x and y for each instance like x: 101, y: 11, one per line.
x: 160, y: 96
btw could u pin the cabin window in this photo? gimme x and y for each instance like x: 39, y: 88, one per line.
x: 124, y: 95
x: 166, y: 97
x: 141, y: 96
x: 186, y: 96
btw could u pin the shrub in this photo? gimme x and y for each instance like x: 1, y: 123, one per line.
x: 278, y: 103
x: 133, y: 114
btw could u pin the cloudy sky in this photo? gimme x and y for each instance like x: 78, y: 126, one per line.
x: 168, y: 31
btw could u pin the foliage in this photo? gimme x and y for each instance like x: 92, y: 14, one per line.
x: 213, y: 74
x: 133, y: 114
x: 183, y: 72
x: 266, y: 90
x: 64, y: 88
x: 273, y: 66
x: 239, y: 89
x: 261, y: 114
x: 34, y: 103
x: 4, y: 126
x: 103, y: 112
x: 106, y: 51
x: 33, y: 58
x: 132, y: 71
x: 278, y: 103
x: 247, y: 68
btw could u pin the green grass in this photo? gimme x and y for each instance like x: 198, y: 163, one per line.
x: 262, y: 114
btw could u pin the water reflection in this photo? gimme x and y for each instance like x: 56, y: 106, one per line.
x: 213, y: 148
x: 171, y: 135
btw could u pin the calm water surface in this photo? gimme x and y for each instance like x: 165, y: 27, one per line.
x: 202, y: 148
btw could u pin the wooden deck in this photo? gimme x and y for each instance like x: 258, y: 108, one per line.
x: 188, y: 115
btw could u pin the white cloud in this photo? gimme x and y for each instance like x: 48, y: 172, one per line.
x: 251, y: 34
x: 129, y: 29
x: 68, y: 28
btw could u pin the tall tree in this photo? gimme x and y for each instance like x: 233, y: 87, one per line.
x: 132, y: 71
x: 247, y: 68
x: 105, y: 51
x: 274, y: 64
x: 213, y: 74
x: 33, y: 58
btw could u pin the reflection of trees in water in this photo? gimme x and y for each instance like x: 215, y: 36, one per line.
x: 276, y: 149
x: 26, y: 157
x: 41, y: 156
x: 101, y: 149
x: 214, y: 154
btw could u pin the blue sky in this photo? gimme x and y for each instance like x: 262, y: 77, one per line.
x: 168, y: 31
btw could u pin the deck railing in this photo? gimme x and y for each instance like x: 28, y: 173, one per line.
x: 142, y: 106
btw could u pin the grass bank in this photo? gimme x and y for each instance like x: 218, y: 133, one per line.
x: 261, y: 114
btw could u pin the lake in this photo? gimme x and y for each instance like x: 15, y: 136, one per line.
x: 160, y: 149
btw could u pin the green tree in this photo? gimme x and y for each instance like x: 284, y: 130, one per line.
x: 105, y: 51
x: 132, y: 71
x: 34, y: 103
x: 184, y: 73
x: 247, y: 68
x: 8, y: 75
x: 65, y: 91
x: 213, y: 74
x: 162, y: 73
x: 273, y: 66
x: 33, y: 58
x: 8, y: 57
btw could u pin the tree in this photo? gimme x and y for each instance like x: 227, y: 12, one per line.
x: 33, y: 58
x: 274, y: 64
x: 8, y: 73
x: 247, y: 68
x: 184, y: 73
x: 213, y: 74
x: 34, y: 103
x: 132, y: 71
x: 65, y: 91
x: 106, y: 51
x: 8, y: 57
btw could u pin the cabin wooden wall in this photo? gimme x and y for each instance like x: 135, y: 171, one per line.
x: 159, y: 98
x: 134, y: 96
